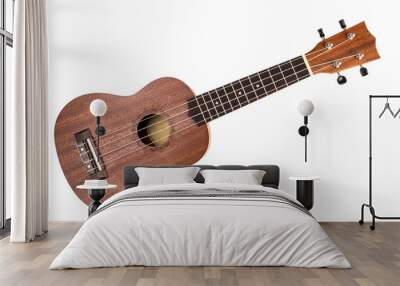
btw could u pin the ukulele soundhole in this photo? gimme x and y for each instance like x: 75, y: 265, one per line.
x: 153, y: 130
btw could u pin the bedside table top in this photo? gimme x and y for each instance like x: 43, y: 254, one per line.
x: 96, y: 185
x: 304, y: 178
x: 86, y: 187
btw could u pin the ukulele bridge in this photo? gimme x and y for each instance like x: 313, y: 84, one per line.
x: 89, y: 155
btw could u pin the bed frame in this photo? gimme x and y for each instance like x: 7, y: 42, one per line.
x: 270, y: 179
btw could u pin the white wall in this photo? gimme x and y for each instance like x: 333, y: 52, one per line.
x: 119, y: 46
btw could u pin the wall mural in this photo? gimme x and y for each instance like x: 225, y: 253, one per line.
x: 166, y: 123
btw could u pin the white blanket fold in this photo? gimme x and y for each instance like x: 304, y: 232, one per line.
x: 138, y: 228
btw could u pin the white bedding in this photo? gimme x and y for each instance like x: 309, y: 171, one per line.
x: 186, y: 231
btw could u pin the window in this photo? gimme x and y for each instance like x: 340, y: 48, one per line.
x: 6, y: 44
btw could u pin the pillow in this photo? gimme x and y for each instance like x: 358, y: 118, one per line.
x: 162, y: 176
x: 247, y: 177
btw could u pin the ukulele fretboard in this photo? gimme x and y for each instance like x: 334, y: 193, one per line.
x: 225, y: 99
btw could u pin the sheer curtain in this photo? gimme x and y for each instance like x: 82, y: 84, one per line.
x: 26, y: 119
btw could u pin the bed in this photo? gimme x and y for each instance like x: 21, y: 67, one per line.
x: 201, y: 224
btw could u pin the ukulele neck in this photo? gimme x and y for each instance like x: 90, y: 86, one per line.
x: 232, y: 96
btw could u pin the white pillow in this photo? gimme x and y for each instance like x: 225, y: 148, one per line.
x: 247, y: 177
x: 163, y: 176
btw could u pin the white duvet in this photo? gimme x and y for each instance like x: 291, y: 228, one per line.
x: 200, y: 231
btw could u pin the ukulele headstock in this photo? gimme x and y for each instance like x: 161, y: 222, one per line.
x: 351, y: 47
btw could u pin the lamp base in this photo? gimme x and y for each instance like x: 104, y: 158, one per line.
x: 96, y: 195
x: 100, y: 130
x: 303, y: 130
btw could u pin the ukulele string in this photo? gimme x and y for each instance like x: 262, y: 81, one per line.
x: 332, y: 61
x: 180, y: 105
x: 310, y: 53
x: 173, y: 125
x: 322, y: 50
x: 140, y: 147
x: 187, y: 110
x: 119, y: 148
x: 175, y: 132
x: 329, y: 49
x: 183, y: 104
x: 321, y: 69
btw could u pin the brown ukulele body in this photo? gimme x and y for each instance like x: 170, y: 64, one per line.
x: 184, y: 143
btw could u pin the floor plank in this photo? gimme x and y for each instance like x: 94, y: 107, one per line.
x: 375, y: 257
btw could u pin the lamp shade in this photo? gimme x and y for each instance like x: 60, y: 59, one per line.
x: 305, y: 107
x: 98, y: 107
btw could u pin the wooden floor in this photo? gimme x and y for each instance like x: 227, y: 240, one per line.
x: 375, y: 257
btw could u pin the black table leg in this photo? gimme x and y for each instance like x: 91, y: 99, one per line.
x: 305, y: 193
x: 96, y: 195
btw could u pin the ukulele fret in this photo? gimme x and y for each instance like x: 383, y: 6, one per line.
x: 237, y: 102
x: 224, y: 99
x: 257, y: 85
x: 238, y: 90
x: 261, y: 91
x: 227, y: 98
x: 300, y: 68
x: 243, y: 83
x: 277, y: 77
x: 203, y: 106
x: 272, y: 82
x: 249, y: 89
x: 195, y: 110
x: 217, y: 102
x: 210, y: 105
x: 284, y: 78
x: 289, y: 73
x: 191, y: 106
x: 233, y: 101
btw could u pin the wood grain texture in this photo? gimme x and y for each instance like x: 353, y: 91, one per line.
x: 183, y: 147
x: 375, y: 257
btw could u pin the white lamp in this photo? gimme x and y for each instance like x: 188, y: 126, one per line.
x: 305, y: 108
x: 98, y: 108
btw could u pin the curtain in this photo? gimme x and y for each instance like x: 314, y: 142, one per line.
x: 26, y: 117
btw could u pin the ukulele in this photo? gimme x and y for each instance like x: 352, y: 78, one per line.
x: 166, y: 123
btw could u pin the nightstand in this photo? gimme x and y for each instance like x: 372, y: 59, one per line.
x: 96, y: 190
x: 305, y: 190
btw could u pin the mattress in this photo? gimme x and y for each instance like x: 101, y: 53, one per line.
x: 201, y: 225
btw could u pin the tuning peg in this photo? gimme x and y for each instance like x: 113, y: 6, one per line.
x: 363, y: 71
x: 342, y: 24
x: 341, y: 79
x: 321, y: 33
